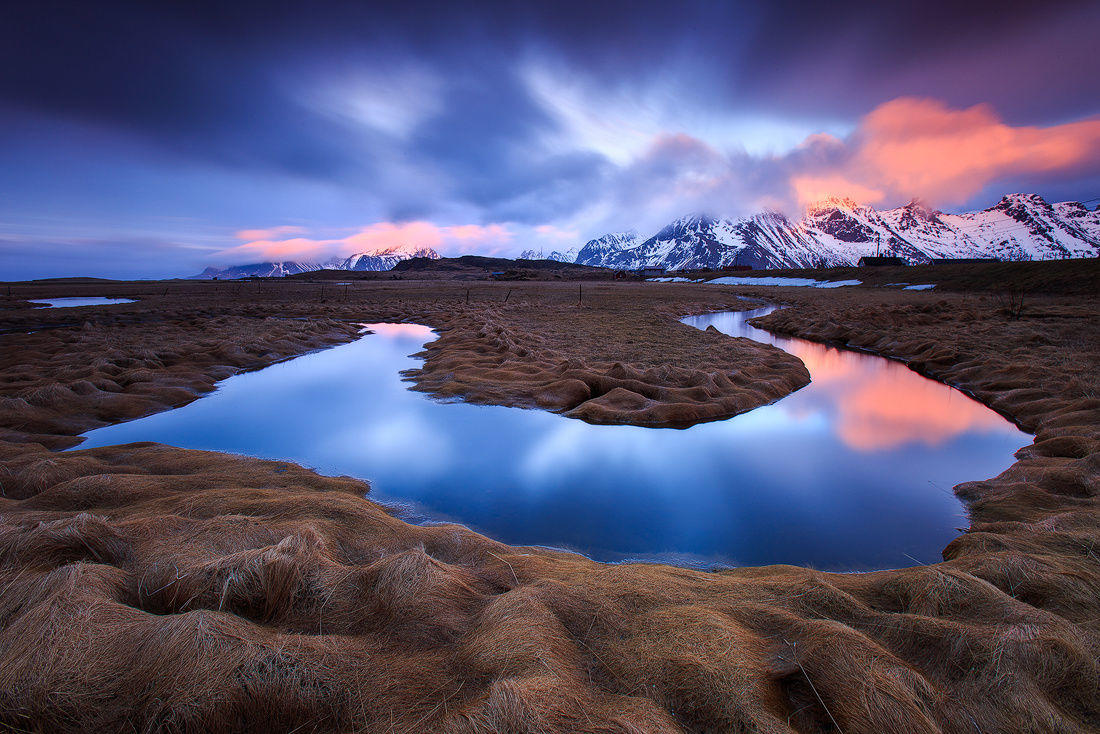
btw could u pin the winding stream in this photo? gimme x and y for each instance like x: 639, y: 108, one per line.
x: 852, y: 472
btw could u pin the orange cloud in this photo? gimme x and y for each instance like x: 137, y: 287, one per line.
x: 378, y: 238
x: 922, y: 148
x: 809, y: 189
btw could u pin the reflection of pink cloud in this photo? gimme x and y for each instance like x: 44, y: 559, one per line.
x: 378, y: 238
x: 401, y: 331
x: 884, y: 406
x: 922, y: 148
x: 879, y: 414
x: 826, y: 364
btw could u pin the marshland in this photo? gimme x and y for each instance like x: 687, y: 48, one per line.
x: 227, y: 506
x: 530, y: 367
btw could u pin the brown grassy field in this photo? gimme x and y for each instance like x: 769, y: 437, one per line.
x: 153, y: 588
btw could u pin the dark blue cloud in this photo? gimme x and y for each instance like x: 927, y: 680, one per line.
x: 227, y: 92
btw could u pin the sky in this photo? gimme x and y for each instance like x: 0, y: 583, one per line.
x: 154, y: 139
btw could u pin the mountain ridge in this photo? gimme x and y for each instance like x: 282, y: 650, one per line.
x: 839, y: 231
x: 361, y: 261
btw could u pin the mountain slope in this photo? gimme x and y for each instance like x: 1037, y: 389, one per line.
x: 569, y: 256
x: 603, y: 250
x: 840, y: 231
x: 260, y: 270
x: 378, y: 260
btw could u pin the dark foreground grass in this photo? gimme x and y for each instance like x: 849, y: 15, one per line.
x: 151, y: 588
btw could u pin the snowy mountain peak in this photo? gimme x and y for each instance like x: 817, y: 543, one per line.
x: 839, y: 231
x: 830, y: 204
x: 1075, y: 209
x: 695, y: 220
x: 568, y: 256
x: 919, y: 208
x: 601, y: 249
x: 381, y: 259
x: 916, y: 213
x: 1009, y: 200
x: 619, y: 238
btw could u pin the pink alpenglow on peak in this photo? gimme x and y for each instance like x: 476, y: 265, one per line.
x: 379, y: 246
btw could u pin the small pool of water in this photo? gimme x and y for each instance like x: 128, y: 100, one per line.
x: 89, y: 301
x: 852, y: 472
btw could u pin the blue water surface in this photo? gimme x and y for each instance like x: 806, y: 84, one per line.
x: 853, y: 471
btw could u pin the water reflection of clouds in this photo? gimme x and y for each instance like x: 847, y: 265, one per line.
x: 403, y: 332
x: 406, y: 441
x: 789, y: 482
x: 879, y: 404
x: 877, y: 414
x: 874, y: 404
x: 570, y: 448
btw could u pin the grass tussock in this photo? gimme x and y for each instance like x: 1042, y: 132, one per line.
x: 150, y: 588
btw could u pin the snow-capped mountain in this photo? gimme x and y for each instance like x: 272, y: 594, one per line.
x: 839, y: 232
x: 568, y: 256
x: 378, y: 260
x: 1025, y: 226
x: 599, y: 250
x: 261, y: 270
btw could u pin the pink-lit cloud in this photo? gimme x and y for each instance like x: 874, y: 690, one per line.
x: 381, y: 237
x: 911, y: 147
x: 809, y: 189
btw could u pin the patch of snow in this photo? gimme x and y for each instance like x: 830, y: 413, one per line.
x: 837, y: 283
x: 670, y: 280
x: 776, y: 280
x: 921, y: 287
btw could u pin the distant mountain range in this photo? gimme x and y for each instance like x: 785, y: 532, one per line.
x: 839, y: 232
x: 834, y: 232
x: 569, y: 256
x: 378, y: 260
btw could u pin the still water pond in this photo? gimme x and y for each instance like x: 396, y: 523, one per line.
x: 853, y: 471
x: 77, y: 301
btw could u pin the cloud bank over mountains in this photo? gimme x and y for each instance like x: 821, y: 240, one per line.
x: 497, y: 127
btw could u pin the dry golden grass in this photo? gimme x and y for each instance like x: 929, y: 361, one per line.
x: 510, y: 344
x: 617, y: 361
x: 153, y: 588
